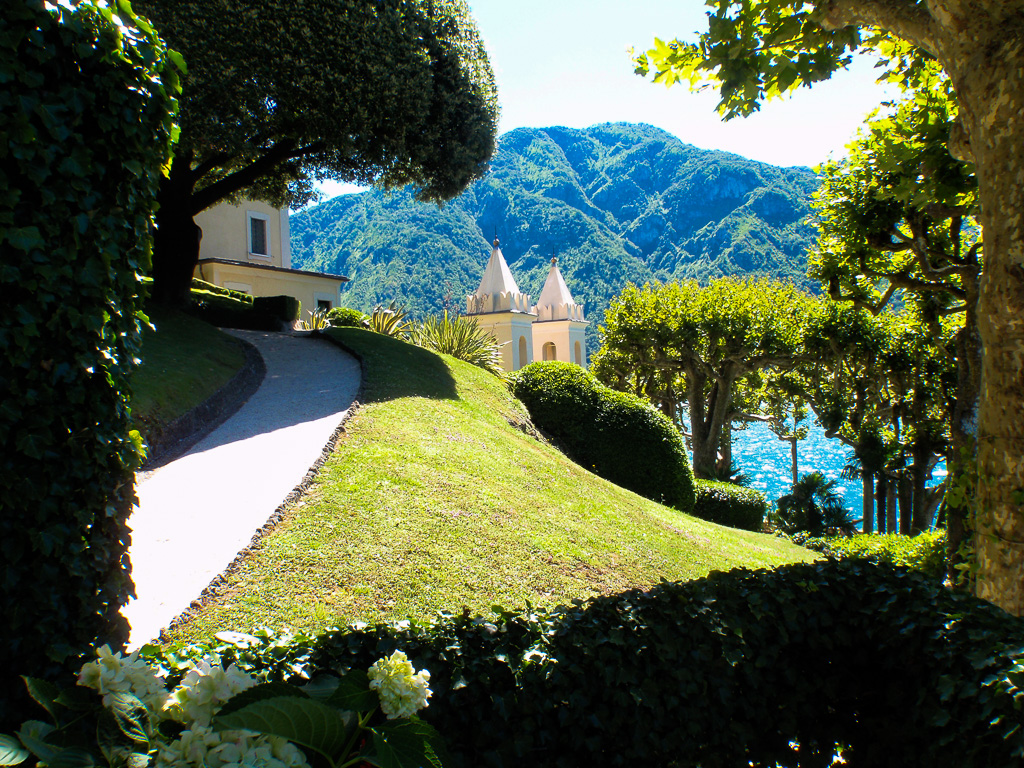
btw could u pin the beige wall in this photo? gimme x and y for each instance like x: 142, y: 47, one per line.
x: 226, y: 233
x: 260, y: 282
x: 565, y: 335
x: 509, y: 329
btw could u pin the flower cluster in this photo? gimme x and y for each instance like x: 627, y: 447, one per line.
x: 401, y: 690
x: 204, y: 689
x: 113, y: 673
x: 203, y: 747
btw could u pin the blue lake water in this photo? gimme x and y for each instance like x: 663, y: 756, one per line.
x: 765, y: 459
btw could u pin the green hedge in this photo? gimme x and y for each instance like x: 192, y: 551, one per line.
x: 341, y: 317
x: 925, y: 552
x: 284, y: 308
x: 228, y: 312
x: 616, y: 435
x: 86, y: 119
x: 731, y: 505
x: 732, y: 670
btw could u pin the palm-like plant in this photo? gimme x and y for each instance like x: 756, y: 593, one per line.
x: 814, y: 507
x: 461, y: 338
x: 391, y: 320
x: 317, y: 320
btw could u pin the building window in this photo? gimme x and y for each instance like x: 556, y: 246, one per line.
x: 548, y: 350
x: 323, y: 304
x: 522, y: 352
x: 259, y: 234
x: 578, y: 354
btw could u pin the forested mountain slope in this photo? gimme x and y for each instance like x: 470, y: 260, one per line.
x: 615, y: 203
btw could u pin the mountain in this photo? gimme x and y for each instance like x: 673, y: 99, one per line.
x: 616, y: 203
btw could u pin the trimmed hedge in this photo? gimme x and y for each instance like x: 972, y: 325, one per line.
x: 227, y: 312
x: 284, y: 308
x: 341, y: 317
x: 925, y: 552
x: 746, y: 668
x: 616, y: 435
x: 86, y: 113
x: 731, y: 505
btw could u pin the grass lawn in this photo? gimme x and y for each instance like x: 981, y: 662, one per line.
x: 183, y: 362
x: 434, y: 499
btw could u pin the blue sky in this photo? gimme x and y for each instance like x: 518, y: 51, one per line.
x: 566, y: 62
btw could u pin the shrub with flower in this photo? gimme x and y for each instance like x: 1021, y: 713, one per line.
x: 123, y: 714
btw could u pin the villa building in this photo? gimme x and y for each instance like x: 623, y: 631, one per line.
x: 551, y: 329
x: 246, y: 247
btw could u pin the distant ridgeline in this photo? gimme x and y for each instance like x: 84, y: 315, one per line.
x: 615, y: 203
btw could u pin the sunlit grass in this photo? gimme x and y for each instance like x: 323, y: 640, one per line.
x: 436, y: 499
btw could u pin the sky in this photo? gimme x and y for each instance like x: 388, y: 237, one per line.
x: 567, y: 62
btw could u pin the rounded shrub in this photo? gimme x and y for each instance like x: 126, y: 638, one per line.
x: 342, y: 317
x: 616, y: 435
x: 731, y: 505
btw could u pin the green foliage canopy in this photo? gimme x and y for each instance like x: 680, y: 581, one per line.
x: 280, y: 93
x: 682, y: 343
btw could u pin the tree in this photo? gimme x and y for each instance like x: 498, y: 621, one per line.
x: 814, y: 507
x: 281, y: 93
x: 755, y: 49
x: 681, y: 343
x: 896, y: 219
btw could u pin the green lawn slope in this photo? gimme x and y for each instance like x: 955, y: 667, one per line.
x: 438, y: 498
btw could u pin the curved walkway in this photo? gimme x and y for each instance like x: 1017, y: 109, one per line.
x: 196, y: 513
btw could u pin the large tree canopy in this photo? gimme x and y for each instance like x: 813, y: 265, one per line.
x: 754, y: 49
x: 281, y: 93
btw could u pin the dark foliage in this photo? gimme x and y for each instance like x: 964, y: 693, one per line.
x: 284, y: 308
x: 730, y: 504
x: 85, y: 116
x: 746, y: 668
x: 614, y: 434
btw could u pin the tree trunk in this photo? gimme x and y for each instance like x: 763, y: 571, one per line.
x: 986, y: 68
x: 176, y: 241
x: 708, y: 408
x: 792, y: 458
x: 868, y: 505
x: 905, y: 490
x: 880, y: 499
x: 890, y: 506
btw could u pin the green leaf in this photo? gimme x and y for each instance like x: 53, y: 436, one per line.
x: 11, y: 751
x: 305, y: 722
x: 71, y: 758
x: 44, y: 693
x: 131, y: 717
x: 260, y: 692
x: 353, y: 693
x: 406, y: 743
x: 33, y: 735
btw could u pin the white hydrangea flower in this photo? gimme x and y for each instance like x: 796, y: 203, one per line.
x: 204, y: 689
x: 202, y: 747
x: 113, y: 673
x: 401, y: 690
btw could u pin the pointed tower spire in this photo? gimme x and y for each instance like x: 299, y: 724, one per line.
x: 556, y: 302
x: 498, y: 291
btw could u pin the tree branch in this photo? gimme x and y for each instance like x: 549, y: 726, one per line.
x: 903, y: 18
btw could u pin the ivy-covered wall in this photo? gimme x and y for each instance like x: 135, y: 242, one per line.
x: 86, y: 116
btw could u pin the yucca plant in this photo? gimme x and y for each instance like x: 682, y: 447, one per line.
x: 391, y: 321
x: 461, y: 338
x: 317, y: 320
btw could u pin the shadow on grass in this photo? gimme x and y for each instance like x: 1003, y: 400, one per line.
x: 393, y: 368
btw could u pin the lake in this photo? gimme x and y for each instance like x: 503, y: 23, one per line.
x: 764, y: 458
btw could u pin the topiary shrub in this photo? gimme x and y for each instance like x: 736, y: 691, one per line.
x: 745, y: 668
x: 227, y: 312
x: 925, y: 552
x: 284, y: 308
x: 730, y: 504
x: 86, y: 110
x: 342, y: 317
x: 616, y: 435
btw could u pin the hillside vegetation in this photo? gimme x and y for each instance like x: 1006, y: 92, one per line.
x: 615, y: 203
x: 437, y: 497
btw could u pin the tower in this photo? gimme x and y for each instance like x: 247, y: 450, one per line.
x: 558, y: 333
x: 501, y: 309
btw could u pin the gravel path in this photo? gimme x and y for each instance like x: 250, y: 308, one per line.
x: 196, y: 513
